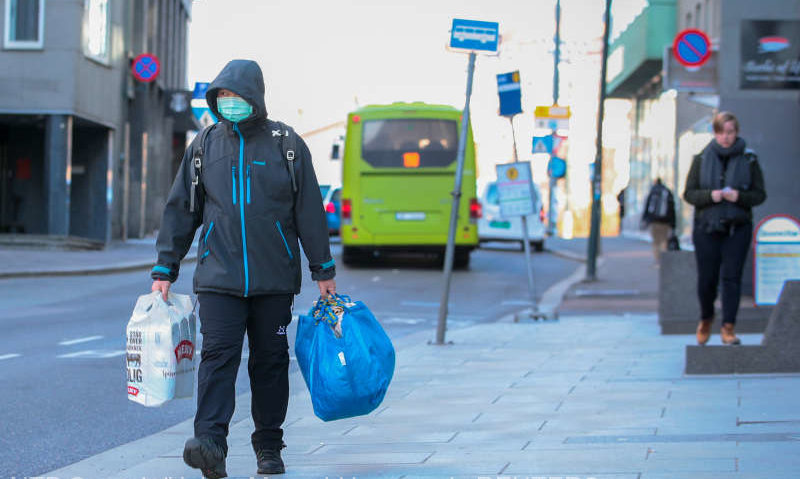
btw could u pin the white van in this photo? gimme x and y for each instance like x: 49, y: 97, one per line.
x: 493, y: 227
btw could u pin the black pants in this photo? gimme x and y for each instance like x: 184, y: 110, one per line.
x: 723, y: 253
x: 223, y: 322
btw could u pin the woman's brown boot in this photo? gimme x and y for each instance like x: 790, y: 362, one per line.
x: 703, y: 331
x: 727, y: 335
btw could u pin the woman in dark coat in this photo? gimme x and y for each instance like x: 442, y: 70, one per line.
x: 725, y: 182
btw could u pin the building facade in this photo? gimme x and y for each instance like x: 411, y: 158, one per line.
x: 86, y: 149
x: 753, y: 71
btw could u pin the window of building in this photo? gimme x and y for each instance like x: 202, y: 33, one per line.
x: 24, y: 26
x: 96, y: 31
x: 698, y: 21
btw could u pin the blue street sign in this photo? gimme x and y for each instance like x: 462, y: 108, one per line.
x: 557, y: 167
x: 691, y: 47
x: 475, y: 35
x: 510, y: 93
x: 200, y: 90
x: 543, y: 144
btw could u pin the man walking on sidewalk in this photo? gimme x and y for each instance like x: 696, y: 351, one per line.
x: 254, y: 203
x: 659, y: 215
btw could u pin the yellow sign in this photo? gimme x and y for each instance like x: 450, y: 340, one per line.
x: 558, y: 112
x: 512, y: 174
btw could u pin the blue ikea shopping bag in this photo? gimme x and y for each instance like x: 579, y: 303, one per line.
x: 346, y: 358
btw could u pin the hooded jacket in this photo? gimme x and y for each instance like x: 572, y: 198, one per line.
x: 251, y: 218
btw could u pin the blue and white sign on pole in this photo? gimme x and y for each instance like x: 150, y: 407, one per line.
x: 510, y: 93
x: 515, y: 189
x: 475, y: 35
x: 200, y: 89
x: 543, y: 144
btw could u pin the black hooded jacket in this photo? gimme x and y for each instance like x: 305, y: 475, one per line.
x: 251, y: 218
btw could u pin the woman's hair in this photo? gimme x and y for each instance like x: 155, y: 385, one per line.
x: 724, y: 117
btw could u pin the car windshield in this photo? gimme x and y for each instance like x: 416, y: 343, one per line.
x: 492, y: 196
x: 434, y: 143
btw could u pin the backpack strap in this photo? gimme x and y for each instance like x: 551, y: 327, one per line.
x: 197, y: 167
x: 288, y: 144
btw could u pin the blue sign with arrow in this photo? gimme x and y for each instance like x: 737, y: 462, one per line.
x: 475, y: 35
x: 200, y: 89
x: 543, y: 144
x: 510, y: 93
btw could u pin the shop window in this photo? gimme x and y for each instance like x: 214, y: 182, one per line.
x: 96, y: 29
x: 24, y: 24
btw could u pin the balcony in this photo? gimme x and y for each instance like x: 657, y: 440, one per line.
x: 636, y: 56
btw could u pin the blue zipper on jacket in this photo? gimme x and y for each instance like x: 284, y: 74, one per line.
x: 233, y: 183
x: 285, y: 243
x: 248, y: 184
x: 205, y: 240
x: 241, y: 209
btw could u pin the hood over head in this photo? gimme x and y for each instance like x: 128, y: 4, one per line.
x: 244, y: 78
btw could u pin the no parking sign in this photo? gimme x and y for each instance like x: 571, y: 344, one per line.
x: 692, y: 47
x: 146, y: 67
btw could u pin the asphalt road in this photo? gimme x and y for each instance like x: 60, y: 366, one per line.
x: 62, y: 372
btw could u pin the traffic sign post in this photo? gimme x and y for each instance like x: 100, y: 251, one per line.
x: 475, y: 36
x: 776, y: 257
x: 692, y: 47
x: 146, y: 67
x: 516, y: 198
x: 553, y: 118
x: 472, y: 37
x: 510, y: 93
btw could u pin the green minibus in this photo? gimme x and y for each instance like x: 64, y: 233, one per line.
x: 398, y: 176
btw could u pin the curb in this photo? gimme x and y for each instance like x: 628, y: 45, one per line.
x: 567, y: 255
x: 97, y: 270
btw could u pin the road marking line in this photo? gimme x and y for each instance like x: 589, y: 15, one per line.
x: 70, y: 342
x: 516, y: 302
x: 424, y: 304
x: 403, y: 321
x: 9, y: 356
x: 90, y: 353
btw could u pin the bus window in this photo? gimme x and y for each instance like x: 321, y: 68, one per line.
x: 385, y: 141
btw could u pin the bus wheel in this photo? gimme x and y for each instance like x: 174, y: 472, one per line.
x: 350, y: 255
x: 461, y: 259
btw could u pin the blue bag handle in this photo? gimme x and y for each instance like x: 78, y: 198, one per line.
x: 323, y: 309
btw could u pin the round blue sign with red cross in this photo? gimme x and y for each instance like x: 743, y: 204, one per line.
x: 145, y: 67
x: 692, y: 47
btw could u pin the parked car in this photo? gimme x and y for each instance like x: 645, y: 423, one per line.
x: 331, y: 200
x: 493, y: 227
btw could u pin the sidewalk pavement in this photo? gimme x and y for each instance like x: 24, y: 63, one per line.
x: 598, y: 394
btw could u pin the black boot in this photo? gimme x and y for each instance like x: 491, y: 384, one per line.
x: 269, y: 460
x: 205, y: 454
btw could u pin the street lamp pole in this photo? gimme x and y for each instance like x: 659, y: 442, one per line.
x: 597, y: 178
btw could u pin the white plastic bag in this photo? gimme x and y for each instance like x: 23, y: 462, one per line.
x: 161, y: 349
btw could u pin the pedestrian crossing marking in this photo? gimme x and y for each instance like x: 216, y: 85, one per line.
x: 71, y: 342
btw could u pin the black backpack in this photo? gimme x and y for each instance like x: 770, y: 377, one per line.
x: 287, y: 141
x: 658, y: 208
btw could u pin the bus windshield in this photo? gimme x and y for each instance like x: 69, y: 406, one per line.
x: 386, y: 141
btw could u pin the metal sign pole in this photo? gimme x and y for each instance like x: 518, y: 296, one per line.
x: 451, y: 237
x: 526, y: 243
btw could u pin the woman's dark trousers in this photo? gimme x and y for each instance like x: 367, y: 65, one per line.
x: 721, y: 254
x: 224, y: 319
